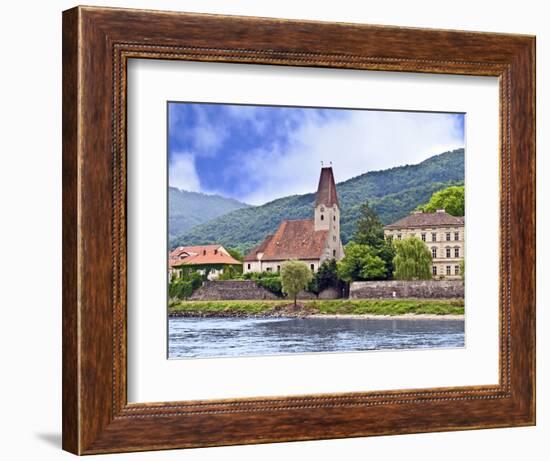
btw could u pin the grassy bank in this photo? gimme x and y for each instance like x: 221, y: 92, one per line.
x: 316, y: 307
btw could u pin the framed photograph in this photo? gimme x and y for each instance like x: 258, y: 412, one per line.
x: 281, y: 230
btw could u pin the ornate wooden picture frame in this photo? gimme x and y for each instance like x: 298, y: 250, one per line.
x: 97, y: 44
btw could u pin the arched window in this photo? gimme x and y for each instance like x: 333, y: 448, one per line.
x: 322, y: 217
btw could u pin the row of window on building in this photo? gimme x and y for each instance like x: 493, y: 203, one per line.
x: 448, y: 270
x: 269, y: 269
x: 446, y: 252
x: 448, y: 236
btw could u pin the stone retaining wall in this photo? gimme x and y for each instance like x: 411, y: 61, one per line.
x: 231, y: 290
x: 435, y: 289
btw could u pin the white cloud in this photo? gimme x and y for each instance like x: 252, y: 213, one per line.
x: 360, y: 141
x: 182, y: 172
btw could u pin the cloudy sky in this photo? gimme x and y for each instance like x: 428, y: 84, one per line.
x: 259, y: 153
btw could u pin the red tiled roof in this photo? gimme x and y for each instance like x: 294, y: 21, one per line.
x: 439, y: 218
x: 251, y: 256
x: 292, y: 240
x: 209, y: 258
x: 326, y: 191
x: 194, y: 249
x: 199, y: 255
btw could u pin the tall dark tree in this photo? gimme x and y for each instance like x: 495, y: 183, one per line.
x: 327, y: 276
x: 386, y: 252
x: 369, y: 229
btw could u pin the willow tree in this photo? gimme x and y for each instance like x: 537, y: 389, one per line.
x: 295, y: 276
x: 413, y: 260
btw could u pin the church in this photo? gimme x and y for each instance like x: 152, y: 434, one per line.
x: 311, y: 241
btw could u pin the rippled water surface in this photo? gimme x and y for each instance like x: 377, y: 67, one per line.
x: 229, y: 337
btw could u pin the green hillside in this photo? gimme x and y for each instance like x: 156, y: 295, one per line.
x: 189, y: 209
x: 392, y: 193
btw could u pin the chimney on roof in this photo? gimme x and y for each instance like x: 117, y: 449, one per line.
x: 441, y: 210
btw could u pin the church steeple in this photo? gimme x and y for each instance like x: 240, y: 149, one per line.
x: 327, y: 214
x: 326, y: 191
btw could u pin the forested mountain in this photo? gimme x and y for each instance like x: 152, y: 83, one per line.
x: 189, y: 209
x: 392, y: 193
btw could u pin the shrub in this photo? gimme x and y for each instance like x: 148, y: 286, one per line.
x: 180, y: 289
x: 272, y: 284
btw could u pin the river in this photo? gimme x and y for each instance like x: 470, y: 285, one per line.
x: 234, y: 337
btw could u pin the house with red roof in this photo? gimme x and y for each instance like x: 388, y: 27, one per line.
x: 312, y: 241
x: 203, y: 258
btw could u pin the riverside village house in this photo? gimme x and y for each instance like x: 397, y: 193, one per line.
x: 311, y: 241
x: 443, y: 235
x: 203, y: 258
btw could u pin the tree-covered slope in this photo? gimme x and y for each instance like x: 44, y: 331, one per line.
x: 189, y: 209
x: 392, y: 193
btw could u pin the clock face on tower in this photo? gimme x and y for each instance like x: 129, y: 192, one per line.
x: 322, y: 208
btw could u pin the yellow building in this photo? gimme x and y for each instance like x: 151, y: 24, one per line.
x: 443, y: 235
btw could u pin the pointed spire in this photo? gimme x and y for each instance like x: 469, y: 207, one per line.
x: 326, y: 192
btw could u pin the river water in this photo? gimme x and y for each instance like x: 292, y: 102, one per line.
x: 235, y: 337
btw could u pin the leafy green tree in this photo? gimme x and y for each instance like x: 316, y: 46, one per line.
x: 369, y: 229
x: 325, y: 277
x: 361, y: 263
x: 450, y: 199
x: 295, y: 276
x: 413, y: 260
x: 374, y: 269
x: 235, y: 253
x: 370, y: 232
x: 386, y: 252
x: 462, y: 268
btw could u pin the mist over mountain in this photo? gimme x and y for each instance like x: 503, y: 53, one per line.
x: 189, y: 209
